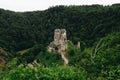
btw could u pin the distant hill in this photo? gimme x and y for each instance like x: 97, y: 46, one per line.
x: 22, y: 30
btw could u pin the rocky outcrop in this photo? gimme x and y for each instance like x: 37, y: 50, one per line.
x: 59, y: 45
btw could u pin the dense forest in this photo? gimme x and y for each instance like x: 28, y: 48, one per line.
x: 24, y: 37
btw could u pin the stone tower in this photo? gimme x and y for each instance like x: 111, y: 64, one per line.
x: 59, y: 44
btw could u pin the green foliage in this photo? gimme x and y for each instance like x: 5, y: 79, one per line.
x: 87, y: 24
x: 26, y: 35
x: 48, y: 58
x: 30, y: 54
x: 106, y: 60
x: 48, y: 73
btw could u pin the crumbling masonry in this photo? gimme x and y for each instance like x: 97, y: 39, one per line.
x: 59, y: 45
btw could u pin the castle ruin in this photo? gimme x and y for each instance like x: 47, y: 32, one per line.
x: 59, y: 45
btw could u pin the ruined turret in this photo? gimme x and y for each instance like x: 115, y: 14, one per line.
x: 59, y: 45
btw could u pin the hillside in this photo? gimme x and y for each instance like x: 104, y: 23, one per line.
x: 83, y: 23
x: 24, y: 36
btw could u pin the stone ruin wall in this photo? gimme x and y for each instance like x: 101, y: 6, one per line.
x: 60, y: 41
x: 59, y: 45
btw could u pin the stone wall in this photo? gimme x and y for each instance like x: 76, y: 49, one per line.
x: 59, y: 45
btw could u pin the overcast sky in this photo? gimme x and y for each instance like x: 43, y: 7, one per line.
x: 30, y: 5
